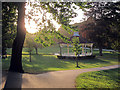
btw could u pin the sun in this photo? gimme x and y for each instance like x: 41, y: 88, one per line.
x: 31, y: 26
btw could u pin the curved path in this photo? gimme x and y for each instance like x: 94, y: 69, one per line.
x: 56, y: 79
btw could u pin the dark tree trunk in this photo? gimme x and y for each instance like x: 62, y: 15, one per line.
x: 100, y: 51
x: 118, y: 54
x: 36, y: 50
x: 118, y: 57
x: 16, y: 58
x: 60, y: 50
x: 77, y: 61
x: 30, y: 56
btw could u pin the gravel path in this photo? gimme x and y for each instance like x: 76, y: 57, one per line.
x: 56, y: 79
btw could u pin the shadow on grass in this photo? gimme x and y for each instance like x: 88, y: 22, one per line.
x: 99, y: 79
x: 90, y: 61
x: 93, y: 61
x: 45, y: 63
x: 113, y: 74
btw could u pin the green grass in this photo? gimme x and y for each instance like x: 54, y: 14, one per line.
x: 43, y: 62
x: 48, y: 50
x: 99, y: 79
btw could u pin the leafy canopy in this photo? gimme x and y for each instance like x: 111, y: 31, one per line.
x: 61, y: 12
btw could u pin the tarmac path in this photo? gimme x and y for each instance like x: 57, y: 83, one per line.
x: 55, y: 79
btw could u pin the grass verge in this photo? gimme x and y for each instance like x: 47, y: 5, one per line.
x: 99, y: 79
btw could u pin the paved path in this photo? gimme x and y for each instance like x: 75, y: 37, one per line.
x: 56, y: 79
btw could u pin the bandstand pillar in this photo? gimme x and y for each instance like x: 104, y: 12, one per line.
x: 68, y: 48
x: 85, y: 49
x: 91, y: 49
x: 82, y: 49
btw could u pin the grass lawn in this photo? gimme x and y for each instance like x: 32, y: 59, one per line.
x: 43, y: 62
x: 99, y: 79
x: 48, y: 50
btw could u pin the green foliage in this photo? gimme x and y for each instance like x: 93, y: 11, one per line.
x: 106, y: 23
x: 61, y: 12
x: 76, y: 46
x: 114, y: 36
x: 45, y: 39
x: 29, y: 45
x: 69, y: 28
x: 9, y: 26
x: 99, y: 79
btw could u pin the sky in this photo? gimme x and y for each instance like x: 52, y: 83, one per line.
x: 80, y: 17
x: 32, y: 27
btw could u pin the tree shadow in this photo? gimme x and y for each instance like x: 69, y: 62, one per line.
x: 45, y: 63
x: 13, y: 81
x: 112, y: 75
x: 42, y: 63
x: 93, y: 61
x: 90, y: 61
x: 77, y: 66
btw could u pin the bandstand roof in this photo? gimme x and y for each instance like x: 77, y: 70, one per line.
x: 81, y: 39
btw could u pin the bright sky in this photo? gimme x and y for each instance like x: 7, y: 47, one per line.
x: 32, y: 27
x: 80, y: 17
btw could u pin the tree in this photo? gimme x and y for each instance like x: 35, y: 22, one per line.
x: 29, y: 45
x: 76, y: 48
x: 35, y: 45
x: 98, y: 35
x: 114, y: 26
x: 104, y: 15
x: 9, y: 27
x: 114, y: 36
x: 30, y: 42
x: 96, y: 12
x: 16, y: 58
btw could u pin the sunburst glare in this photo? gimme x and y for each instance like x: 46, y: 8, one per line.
x: 31, y: 25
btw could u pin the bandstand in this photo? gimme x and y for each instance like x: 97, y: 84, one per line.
x: 86, y: 48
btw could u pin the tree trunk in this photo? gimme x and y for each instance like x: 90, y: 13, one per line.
x: 30, y: 56
x: 118, y: 57
x: 118, y: 54
x: 77, y: 61
x: 60, y: 50
x: 16, y: 58
x: 100, y: 51
x: 36, y: 50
